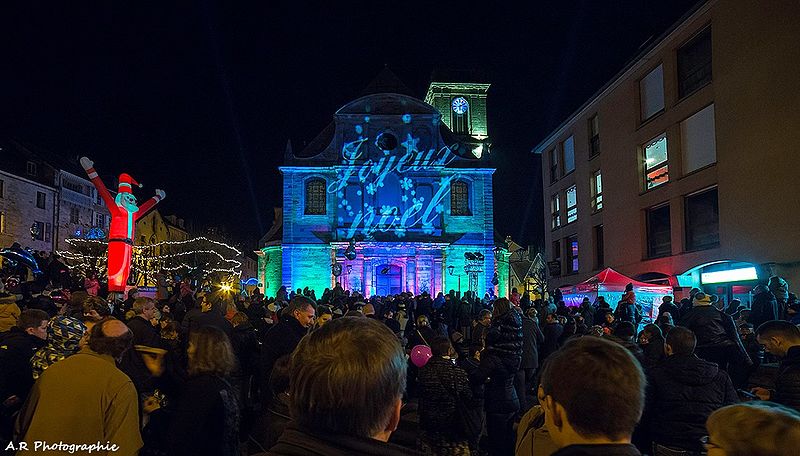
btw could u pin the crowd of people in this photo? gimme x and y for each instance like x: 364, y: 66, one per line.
x: 198, y: 370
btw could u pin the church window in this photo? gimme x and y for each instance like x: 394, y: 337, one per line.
x: 315, y: 197
x: 459, y: 198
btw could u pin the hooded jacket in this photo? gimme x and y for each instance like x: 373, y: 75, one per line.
x: 764, y: 308
x: 63, y: 339
x: 9, y: 312
x: 500, y: 363
x: 682, y: 391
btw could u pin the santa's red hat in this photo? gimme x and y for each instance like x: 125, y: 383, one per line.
x: 126, y: 182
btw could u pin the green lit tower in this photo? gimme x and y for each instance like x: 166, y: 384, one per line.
x: 463, y: 109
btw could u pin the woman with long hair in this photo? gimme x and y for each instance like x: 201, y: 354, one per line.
x: 205, y: 420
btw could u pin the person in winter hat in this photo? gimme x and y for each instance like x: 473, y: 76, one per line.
x: 63, y: 337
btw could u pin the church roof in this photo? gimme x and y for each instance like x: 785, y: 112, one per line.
x: 387, y: 104
x: 387, y: 82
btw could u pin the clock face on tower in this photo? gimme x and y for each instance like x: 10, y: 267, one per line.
x: 459, y: 105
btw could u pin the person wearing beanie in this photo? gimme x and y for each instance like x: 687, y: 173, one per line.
x: 718, y: 340
x: 667, y: 305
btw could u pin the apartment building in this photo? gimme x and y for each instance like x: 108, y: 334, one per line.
x: 681, y: 170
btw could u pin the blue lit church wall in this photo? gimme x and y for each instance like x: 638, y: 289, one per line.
x: 387, y: 199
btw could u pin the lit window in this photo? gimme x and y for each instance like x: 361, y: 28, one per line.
x: 597, y: 191
x: 572, y: 204
x: 572, y: 252
x: 2, y: 222
x: 594, y: 136
x: 555, y: 209
x: 694, y: 64
x: 41, y: 200
x: 698, y: 140
x: 659, y: 237
x: 315, y: 203
x: 568, y: 152
x: 702, y: 220
x: 655, y: 162
x: 459, y: 198
x: 651, y: 93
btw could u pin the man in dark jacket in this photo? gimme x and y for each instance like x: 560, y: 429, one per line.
x: 764, y: 308
x: 782, y: 339
x: 552, y: 332
x: 718, y: 339
x: 144, y: 333
x: 334, y: 415
x: 532, y: 337
x: 17, y: 346
x: 281, y: 339
x: 208, y: 314
x: 682, y: 391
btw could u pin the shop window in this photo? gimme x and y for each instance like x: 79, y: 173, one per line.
x: 659, y: 241
x: 459, y: 198
x: 594, y: 136
x: 651, y: 93
x: 555, y: 209
x: 572, y: 204
x: 315, y: 193
x: 694, y: 63
x: 572, y: 254
x: 698, y: 140
x: 597, y: 191
x: 656, y: 162
x: 702, y: 220
x: 568, y: 154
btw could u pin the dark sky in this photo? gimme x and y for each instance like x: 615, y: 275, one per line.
x: 200, y: 97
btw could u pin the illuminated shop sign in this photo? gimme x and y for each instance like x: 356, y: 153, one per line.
x: 731, y: 275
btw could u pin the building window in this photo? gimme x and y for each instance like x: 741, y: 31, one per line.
x: 594, y: 136
x: 39, y: 231
x: 694, y: 63
x: 655, y: 162
x: 75, y: 187
x: 698, y: 140
x: 659, y: 241
x: 557, y: 257
x: 41, y: 200
x: 74, y: 215
x: 572, y: 254
x: 599, y: 247
x: 572, y: 204
x: 47, y: 231
x: 459, y: 198
x: 597, y: 191
x: 568, y: 154
x: 315, y: 203
x: 651, y: 93
x: 2, y: 188
x: 553, y: 165
x: 30, y: 168
x: 555, y: 210
x: 100, y: 220
x: 2, y: 222
x: 702, y: 220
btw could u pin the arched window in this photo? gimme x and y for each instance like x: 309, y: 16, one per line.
x: 459, y: 198
x: 315, y: 197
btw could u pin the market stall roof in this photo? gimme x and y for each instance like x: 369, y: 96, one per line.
x: 611, y: 280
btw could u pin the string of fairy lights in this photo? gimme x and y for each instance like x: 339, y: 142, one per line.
x: 90, y: 254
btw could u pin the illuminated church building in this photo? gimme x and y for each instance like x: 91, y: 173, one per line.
x: 394, y: 195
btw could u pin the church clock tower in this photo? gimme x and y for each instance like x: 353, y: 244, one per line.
x: 463, y: 107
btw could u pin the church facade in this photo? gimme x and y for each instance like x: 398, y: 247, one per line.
x: 394, y: 195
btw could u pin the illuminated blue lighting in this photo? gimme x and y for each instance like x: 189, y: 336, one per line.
x: 406, y: 118
x: 731, y: 275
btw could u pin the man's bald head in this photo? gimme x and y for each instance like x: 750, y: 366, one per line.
x: 110, y: 337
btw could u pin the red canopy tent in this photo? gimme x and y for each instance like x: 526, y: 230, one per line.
x: 611, y: 285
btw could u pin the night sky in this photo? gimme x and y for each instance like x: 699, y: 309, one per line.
x: 199, y: 98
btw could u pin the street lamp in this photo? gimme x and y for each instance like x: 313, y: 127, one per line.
x: 451, y: 269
